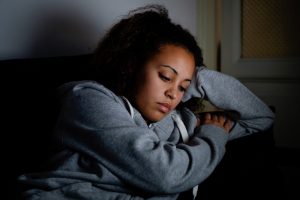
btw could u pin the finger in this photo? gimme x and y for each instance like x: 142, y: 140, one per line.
x: 198, y: 122
x: 222, y: 119
x: 228, y: 125
x: 207, y: 116
x: 215, y: 117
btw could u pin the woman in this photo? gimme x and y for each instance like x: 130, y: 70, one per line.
x: 124, y: 136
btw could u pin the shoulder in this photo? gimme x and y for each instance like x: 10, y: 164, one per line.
x: 92, y: 103
x: 85, y: 88
x: 89, y: 95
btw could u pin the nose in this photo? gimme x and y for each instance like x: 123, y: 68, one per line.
x: 171, y: 93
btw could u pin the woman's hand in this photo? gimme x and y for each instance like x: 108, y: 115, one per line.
x: 215, y: 118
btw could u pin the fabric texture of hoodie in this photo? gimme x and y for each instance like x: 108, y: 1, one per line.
x: 109, y: 152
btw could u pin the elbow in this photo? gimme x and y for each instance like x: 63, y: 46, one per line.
x: 264, y: 124
x: 164, y: 184
x: 268, y: 122
x: 270, y: 119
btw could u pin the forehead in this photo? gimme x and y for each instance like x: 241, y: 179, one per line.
x: 176, y: 57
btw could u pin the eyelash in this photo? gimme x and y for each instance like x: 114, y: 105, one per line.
x: 164, y: 78
x: 167, y: 79
x: 182, y: 89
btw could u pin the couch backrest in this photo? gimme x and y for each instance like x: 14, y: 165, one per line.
x: 30, y: 107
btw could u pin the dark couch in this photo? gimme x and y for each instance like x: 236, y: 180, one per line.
x: 29, y: 110
x: 248, y: 170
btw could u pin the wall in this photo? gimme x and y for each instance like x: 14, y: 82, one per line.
x: 272, y: 72
x: 35, y: 28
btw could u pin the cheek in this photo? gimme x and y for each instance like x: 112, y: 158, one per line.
x: 178, y: 100
x: 147, y: 88
x: 152, y: 84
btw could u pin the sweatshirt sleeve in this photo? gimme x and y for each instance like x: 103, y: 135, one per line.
x: 227, y: 93
x: 94, y: 123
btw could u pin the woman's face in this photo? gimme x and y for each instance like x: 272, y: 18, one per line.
x: 163, y: 81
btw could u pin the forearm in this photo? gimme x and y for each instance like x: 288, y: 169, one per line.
x: 111, y: 137
x: 228, y: 94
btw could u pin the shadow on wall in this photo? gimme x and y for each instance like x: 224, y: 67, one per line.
x: 63, y: 32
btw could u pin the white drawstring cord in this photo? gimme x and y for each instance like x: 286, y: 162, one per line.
x: 185, y: 137
x: 129, y: 106
x: 182, y: 129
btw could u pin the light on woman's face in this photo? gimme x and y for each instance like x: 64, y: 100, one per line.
x: 163, y: 81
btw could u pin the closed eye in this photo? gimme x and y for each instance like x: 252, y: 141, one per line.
x: 182, y: 89
x: 164, y: 78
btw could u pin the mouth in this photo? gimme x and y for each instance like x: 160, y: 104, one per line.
x: 164, y: 107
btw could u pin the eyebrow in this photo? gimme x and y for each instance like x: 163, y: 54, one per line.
x: 174, y: 70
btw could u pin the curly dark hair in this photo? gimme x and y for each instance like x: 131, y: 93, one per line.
x: 130, y: 43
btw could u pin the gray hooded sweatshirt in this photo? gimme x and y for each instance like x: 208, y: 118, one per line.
x: 109, y: 152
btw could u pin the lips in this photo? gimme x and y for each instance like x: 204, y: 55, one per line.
x: 164, y: 107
